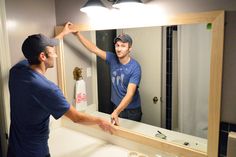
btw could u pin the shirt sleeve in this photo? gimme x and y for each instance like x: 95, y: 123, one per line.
x: 110, y: 57
x: 136, y: 75
x: 53, y: 101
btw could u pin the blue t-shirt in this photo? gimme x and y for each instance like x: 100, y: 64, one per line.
x: 121, y: 76
x: 33, y: 98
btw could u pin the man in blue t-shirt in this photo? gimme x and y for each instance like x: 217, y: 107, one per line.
x: 125, y: 77
x: 33, y: 98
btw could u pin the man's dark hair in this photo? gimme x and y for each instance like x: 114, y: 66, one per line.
x: 34, y: 45
x: 35, y: 60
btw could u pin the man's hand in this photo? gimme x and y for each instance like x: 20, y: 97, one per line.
x: 66, y: 30
x: 106, y: 126
x: 114, y: 118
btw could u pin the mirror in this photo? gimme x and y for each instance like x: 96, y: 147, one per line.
x: 214, y: 66
x: 193, y: 62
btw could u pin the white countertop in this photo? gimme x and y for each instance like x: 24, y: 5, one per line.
x: 72, y: 140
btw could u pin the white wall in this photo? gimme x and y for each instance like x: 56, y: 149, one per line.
x: 28, y: 17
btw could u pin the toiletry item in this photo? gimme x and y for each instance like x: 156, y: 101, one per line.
x: 80, y: 90
x: 80, y: 95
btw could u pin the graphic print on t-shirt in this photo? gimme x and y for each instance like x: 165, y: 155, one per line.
x: 118, y: 78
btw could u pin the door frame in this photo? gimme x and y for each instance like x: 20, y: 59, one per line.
x: 5, y: 65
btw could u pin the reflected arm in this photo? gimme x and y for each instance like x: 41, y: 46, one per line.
x: 90, y: 46
x: 124, y: 102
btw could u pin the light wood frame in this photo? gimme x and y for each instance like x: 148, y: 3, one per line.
x: 217, y: 20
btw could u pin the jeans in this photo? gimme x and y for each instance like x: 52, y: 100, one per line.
x: 132, y: 114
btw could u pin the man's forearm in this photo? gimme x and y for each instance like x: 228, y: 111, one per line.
x: 90, y: 46
x: 87, y: 119
x: 60, y: 35
x: 123, y: 104
x: 80, y: 117
x: 87, y: 44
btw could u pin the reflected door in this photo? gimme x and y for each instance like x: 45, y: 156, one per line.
x: 147, y: 51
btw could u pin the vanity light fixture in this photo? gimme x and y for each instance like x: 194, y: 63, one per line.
x: 127, y: 3
x: 93, y: 6
x: 97, y: 6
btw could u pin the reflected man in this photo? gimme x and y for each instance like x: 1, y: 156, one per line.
x: 125, y: 73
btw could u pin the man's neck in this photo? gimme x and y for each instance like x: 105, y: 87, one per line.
x: 39, y: 68
x: 124, y: 60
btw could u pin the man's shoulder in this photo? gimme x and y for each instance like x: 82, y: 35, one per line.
x: 20, y: 64
x: 111, y: 54
x: 111, y: 57
x: 135, y: 63
x: 44, y: 83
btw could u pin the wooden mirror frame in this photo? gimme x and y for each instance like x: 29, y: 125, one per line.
x: 216, y: 18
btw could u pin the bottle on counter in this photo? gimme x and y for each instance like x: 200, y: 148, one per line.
x: 80, y: 90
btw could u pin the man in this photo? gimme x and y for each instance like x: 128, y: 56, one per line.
x: 33, y: 98
x: 125, y: 76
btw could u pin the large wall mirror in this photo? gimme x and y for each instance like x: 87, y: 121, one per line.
x: 181, y: 62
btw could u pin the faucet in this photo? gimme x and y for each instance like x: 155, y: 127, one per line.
x: 160, y: 135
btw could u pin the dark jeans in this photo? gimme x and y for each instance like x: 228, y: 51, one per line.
x: 132, y: 114
x: 11, y: 153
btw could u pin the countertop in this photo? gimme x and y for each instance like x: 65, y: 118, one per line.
x: 64, y: 142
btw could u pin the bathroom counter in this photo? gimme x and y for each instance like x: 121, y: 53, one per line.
x: 65, y: 142
x: 149, y: 130
x: 131, y: 136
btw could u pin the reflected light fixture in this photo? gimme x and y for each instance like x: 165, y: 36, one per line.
x: 93, y: 6
x: 127, y: 3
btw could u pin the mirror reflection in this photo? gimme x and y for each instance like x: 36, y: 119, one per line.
x: 175, y: 63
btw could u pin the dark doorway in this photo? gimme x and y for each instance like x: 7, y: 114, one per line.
x: 104, y: 40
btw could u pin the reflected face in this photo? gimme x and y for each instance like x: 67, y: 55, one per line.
x: 122, y: 49
x: 51, y: 55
